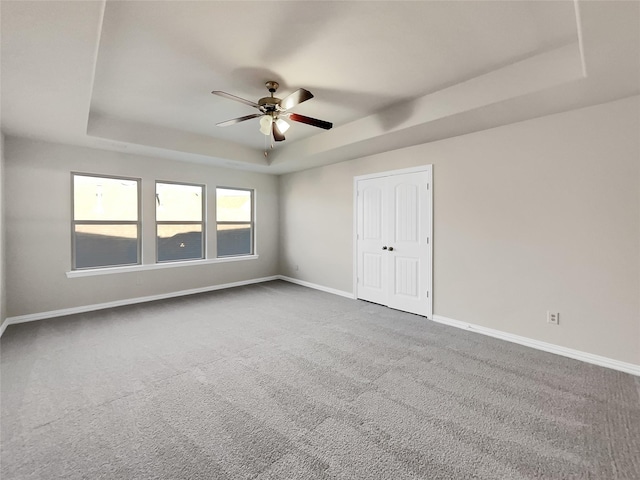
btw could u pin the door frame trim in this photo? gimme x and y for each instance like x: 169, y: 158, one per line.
x: 390, y: 173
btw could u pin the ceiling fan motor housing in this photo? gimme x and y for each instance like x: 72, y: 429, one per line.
x: 269, y: 104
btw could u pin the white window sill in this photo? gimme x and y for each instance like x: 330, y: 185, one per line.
x: 155, y: 266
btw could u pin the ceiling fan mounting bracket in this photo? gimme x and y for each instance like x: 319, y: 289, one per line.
x: 272, y: 86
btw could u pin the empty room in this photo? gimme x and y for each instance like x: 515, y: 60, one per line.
x: 320, y: 240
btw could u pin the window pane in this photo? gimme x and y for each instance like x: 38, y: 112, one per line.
x: 179, y: 242
x: 182, y: 203
x: 233, y: 205
x: 106, y: 245
x: 99, y: 198
x: 234, y: 240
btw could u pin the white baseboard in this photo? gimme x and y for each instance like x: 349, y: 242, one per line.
x: 544, y: 346
x: 129, y: 301
x: 315, y: 286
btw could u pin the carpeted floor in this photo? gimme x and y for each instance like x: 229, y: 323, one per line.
x: 277, y: 381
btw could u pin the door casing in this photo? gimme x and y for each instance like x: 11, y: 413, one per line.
x: 429, y: 226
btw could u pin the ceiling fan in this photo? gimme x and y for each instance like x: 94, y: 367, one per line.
x: 273, y: 110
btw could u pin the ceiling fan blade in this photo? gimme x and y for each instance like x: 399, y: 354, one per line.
x: 238, y: 120
x: 297, y: 97
x: 310, y: 121
x: 237, y: 99
x: 277, y: 134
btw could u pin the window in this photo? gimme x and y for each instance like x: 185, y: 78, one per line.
x: 234, y: 215
x: 179, y: 221
x: 106, y: 221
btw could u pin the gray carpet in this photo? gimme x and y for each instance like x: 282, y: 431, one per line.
x: 277, y: 381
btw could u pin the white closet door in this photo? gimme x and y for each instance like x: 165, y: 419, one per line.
x: 393, y: 251
x: 372, y: 261
x: 408, y: 266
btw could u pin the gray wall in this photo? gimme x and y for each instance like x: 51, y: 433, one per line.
x: 38, y: 231
x: 534, y: 216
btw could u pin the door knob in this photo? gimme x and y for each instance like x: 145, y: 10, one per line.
x: 384, y: 248
x: 391, y: 249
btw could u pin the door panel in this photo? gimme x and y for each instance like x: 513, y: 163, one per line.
x: 406, y: 213
x: 372, y: 277
x: 406, y: 277
x: 372, y: 212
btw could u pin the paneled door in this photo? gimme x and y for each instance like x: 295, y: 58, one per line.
x: 393, y: 240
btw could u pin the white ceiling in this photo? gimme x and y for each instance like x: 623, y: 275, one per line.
x: 137, y: 76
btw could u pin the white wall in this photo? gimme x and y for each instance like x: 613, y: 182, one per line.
x: 534, y: 216
x: 38, y: 229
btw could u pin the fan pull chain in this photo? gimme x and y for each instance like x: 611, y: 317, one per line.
x: 266, y: 153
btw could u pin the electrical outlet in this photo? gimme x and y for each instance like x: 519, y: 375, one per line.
x: 295, y: 268
x: 553, y: 317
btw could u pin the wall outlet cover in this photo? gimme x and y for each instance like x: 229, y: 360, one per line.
x: 553, y: 318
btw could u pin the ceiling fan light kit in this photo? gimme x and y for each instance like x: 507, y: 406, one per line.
x: 282, y: 125
x: 265, y: 124
x: 272, y: 109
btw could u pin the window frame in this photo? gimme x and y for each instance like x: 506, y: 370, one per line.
x: 202, y: 223
x: 252, y: 222
x: 137, y: 223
